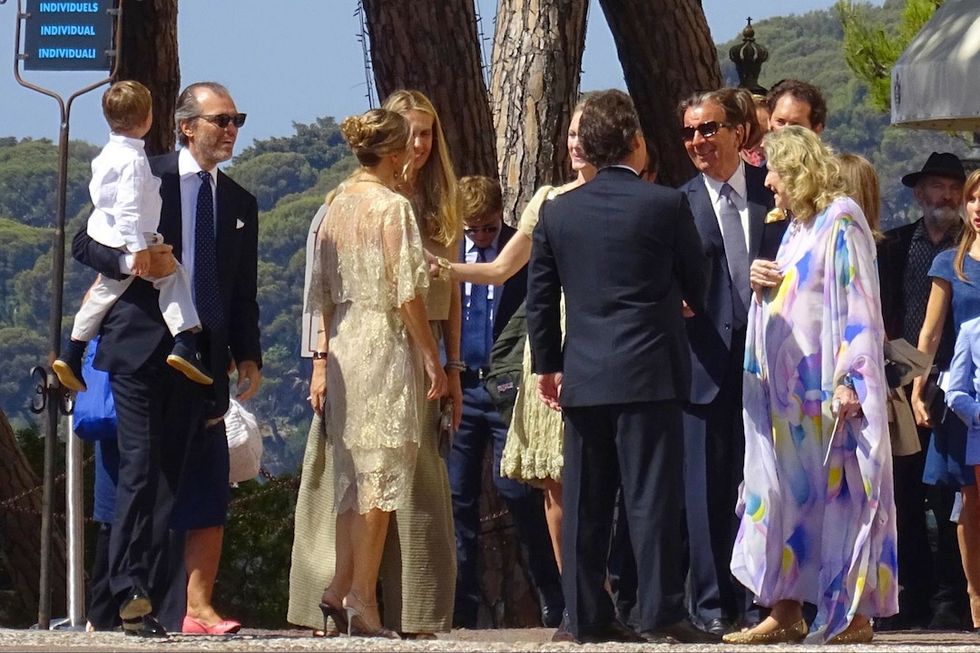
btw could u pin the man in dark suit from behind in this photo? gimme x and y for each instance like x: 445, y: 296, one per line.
x: 626, y: 254
x: 170, y: 431
x: 486, y: 311
x: 730, y: 203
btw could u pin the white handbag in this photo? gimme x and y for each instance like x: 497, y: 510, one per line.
x: 244, y: 443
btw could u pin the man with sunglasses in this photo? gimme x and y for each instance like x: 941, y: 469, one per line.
x: 171, y: 430
x: 730, y: 203
x: 486, y: 310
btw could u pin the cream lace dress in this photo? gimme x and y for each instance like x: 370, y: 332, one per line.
x: 534, y: 450
x: 369, y: 261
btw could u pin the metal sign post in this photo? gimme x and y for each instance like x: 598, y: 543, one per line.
x: 61, y: 36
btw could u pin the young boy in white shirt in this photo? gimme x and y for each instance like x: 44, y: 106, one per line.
x: 126, y: 196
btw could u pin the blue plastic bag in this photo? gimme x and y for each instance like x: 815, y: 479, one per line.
x: 95, y: 410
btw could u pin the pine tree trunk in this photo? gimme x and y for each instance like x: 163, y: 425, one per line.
x: 20, y: 535
x: 432, y: 46
x: 666, y: 51
x: 149, y: 56
x: 537, y: 61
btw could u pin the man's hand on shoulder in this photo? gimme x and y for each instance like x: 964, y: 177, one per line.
x: 249, y: 380
x: 162, y: 261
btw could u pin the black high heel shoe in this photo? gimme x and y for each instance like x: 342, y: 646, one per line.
x: 338, y: 615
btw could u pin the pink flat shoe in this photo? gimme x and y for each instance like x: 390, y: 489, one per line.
x: 192, y: 626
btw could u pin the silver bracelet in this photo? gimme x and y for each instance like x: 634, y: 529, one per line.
x: 456, y: 365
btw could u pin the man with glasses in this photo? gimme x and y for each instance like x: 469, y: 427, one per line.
x: 730, y: 203
x: 170, y: 431
x: 486, y: 310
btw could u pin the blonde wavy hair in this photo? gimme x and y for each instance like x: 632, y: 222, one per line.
x: 808, y: 168
x: 436, y: 199
x: 969, y: 234
x: 861, y: 185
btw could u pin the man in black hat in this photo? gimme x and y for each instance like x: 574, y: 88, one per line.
x: 933, y: 586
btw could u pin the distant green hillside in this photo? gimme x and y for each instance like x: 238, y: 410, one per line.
x: 809, y: 47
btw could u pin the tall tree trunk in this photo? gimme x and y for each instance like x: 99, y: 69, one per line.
x: 537, y: 62
x: 20, y: 535
x: 149, y: 56
x: 432, y: 46
x: 666, y: 51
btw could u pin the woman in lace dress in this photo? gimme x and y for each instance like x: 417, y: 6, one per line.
x: 533, y: 452
x: 369, y: 284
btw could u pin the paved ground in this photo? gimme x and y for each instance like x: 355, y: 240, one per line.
x: 532, y: 639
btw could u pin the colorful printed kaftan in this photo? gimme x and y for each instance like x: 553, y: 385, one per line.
x: 814, y: 527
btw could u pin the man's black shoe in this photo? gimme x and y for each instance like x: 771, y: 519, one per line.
x: 614, y: 631
x: 719, y: 626
x: 136, y: 605
x: 551, y: 617
x: 684, y: 632
x: 145, y: 626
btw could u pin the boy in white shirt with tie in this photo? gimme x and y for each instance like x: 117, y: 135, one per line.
x: 126, y: 196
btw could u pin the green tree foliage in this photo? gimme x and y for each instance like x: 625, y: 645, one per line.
x: 22, y: 244
x: 21, y: 350
x: 28, y: 172
x: 270, y: 176
x: 320, y: 143
x: 872, y: 44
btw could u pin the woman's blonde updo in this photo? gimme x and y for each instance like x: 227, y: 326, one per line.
x: 374, y: 134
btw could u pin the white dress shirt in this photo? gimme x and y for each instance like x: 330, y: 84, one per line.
x: 489, y: 254
x: 738, y: 184
x: 125, y: 194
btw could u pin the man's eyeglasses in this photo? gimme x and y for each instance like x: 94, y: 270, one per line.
x: 706, y: 129
x: 490, y: 230
x: 222, y: 120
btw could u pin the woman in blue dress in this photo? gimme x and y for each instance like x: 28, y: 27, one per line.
x: 951, y: 456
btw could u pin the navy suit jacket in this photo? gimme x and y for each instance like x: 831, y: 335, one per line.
x: 134, y: 335
x: 626, y: 253
x: 710, y: 332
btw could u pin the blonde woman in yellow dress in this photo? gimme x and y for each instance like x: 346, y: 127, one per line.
x: 533, y: 452
x: 418, y: 571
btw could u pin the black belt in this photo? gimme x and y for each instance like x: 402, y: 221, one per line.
x: 473, y: 375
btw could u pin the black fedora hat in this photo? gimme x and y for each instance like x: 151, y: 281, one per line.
x: 941, y: 164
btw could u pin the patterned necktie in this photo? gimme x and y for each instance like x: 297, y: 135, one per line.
x: 737, y: 255
x: 206, y: 295
x: 476, y: 323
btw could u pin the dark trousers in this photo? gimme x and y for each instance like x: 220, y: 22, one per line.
x: 156, y: 409
x: 482, y: 427
x: 640, y: 446
x: 714, y: 451
x: 621, y: 568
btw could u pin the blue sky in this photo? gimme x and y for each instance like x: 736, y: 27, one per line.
x: 298, y: 62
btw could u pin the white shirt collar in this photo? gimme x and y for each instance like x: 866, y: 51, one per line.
x: 135, y: 143
x: 626, y: 167
x: 187, y: 165
x: 736, y: 181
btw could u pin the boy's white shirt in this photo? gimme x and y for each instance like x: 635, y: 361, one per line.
x: 125, y: 194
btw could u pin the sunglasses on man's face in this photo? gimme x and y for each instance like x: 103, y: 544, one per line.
x: 706, y: 129
x: 492, y: 229
x: 222, y: 120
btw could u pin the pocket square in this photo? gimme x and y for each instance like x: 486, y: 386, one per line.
x: 239, y: 224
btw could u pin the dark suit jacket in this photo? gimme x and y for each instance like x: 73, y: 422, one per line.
x: 626, y: 253
x: 710, y: 332
x: 512, y: 291
x: 134, y: 334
